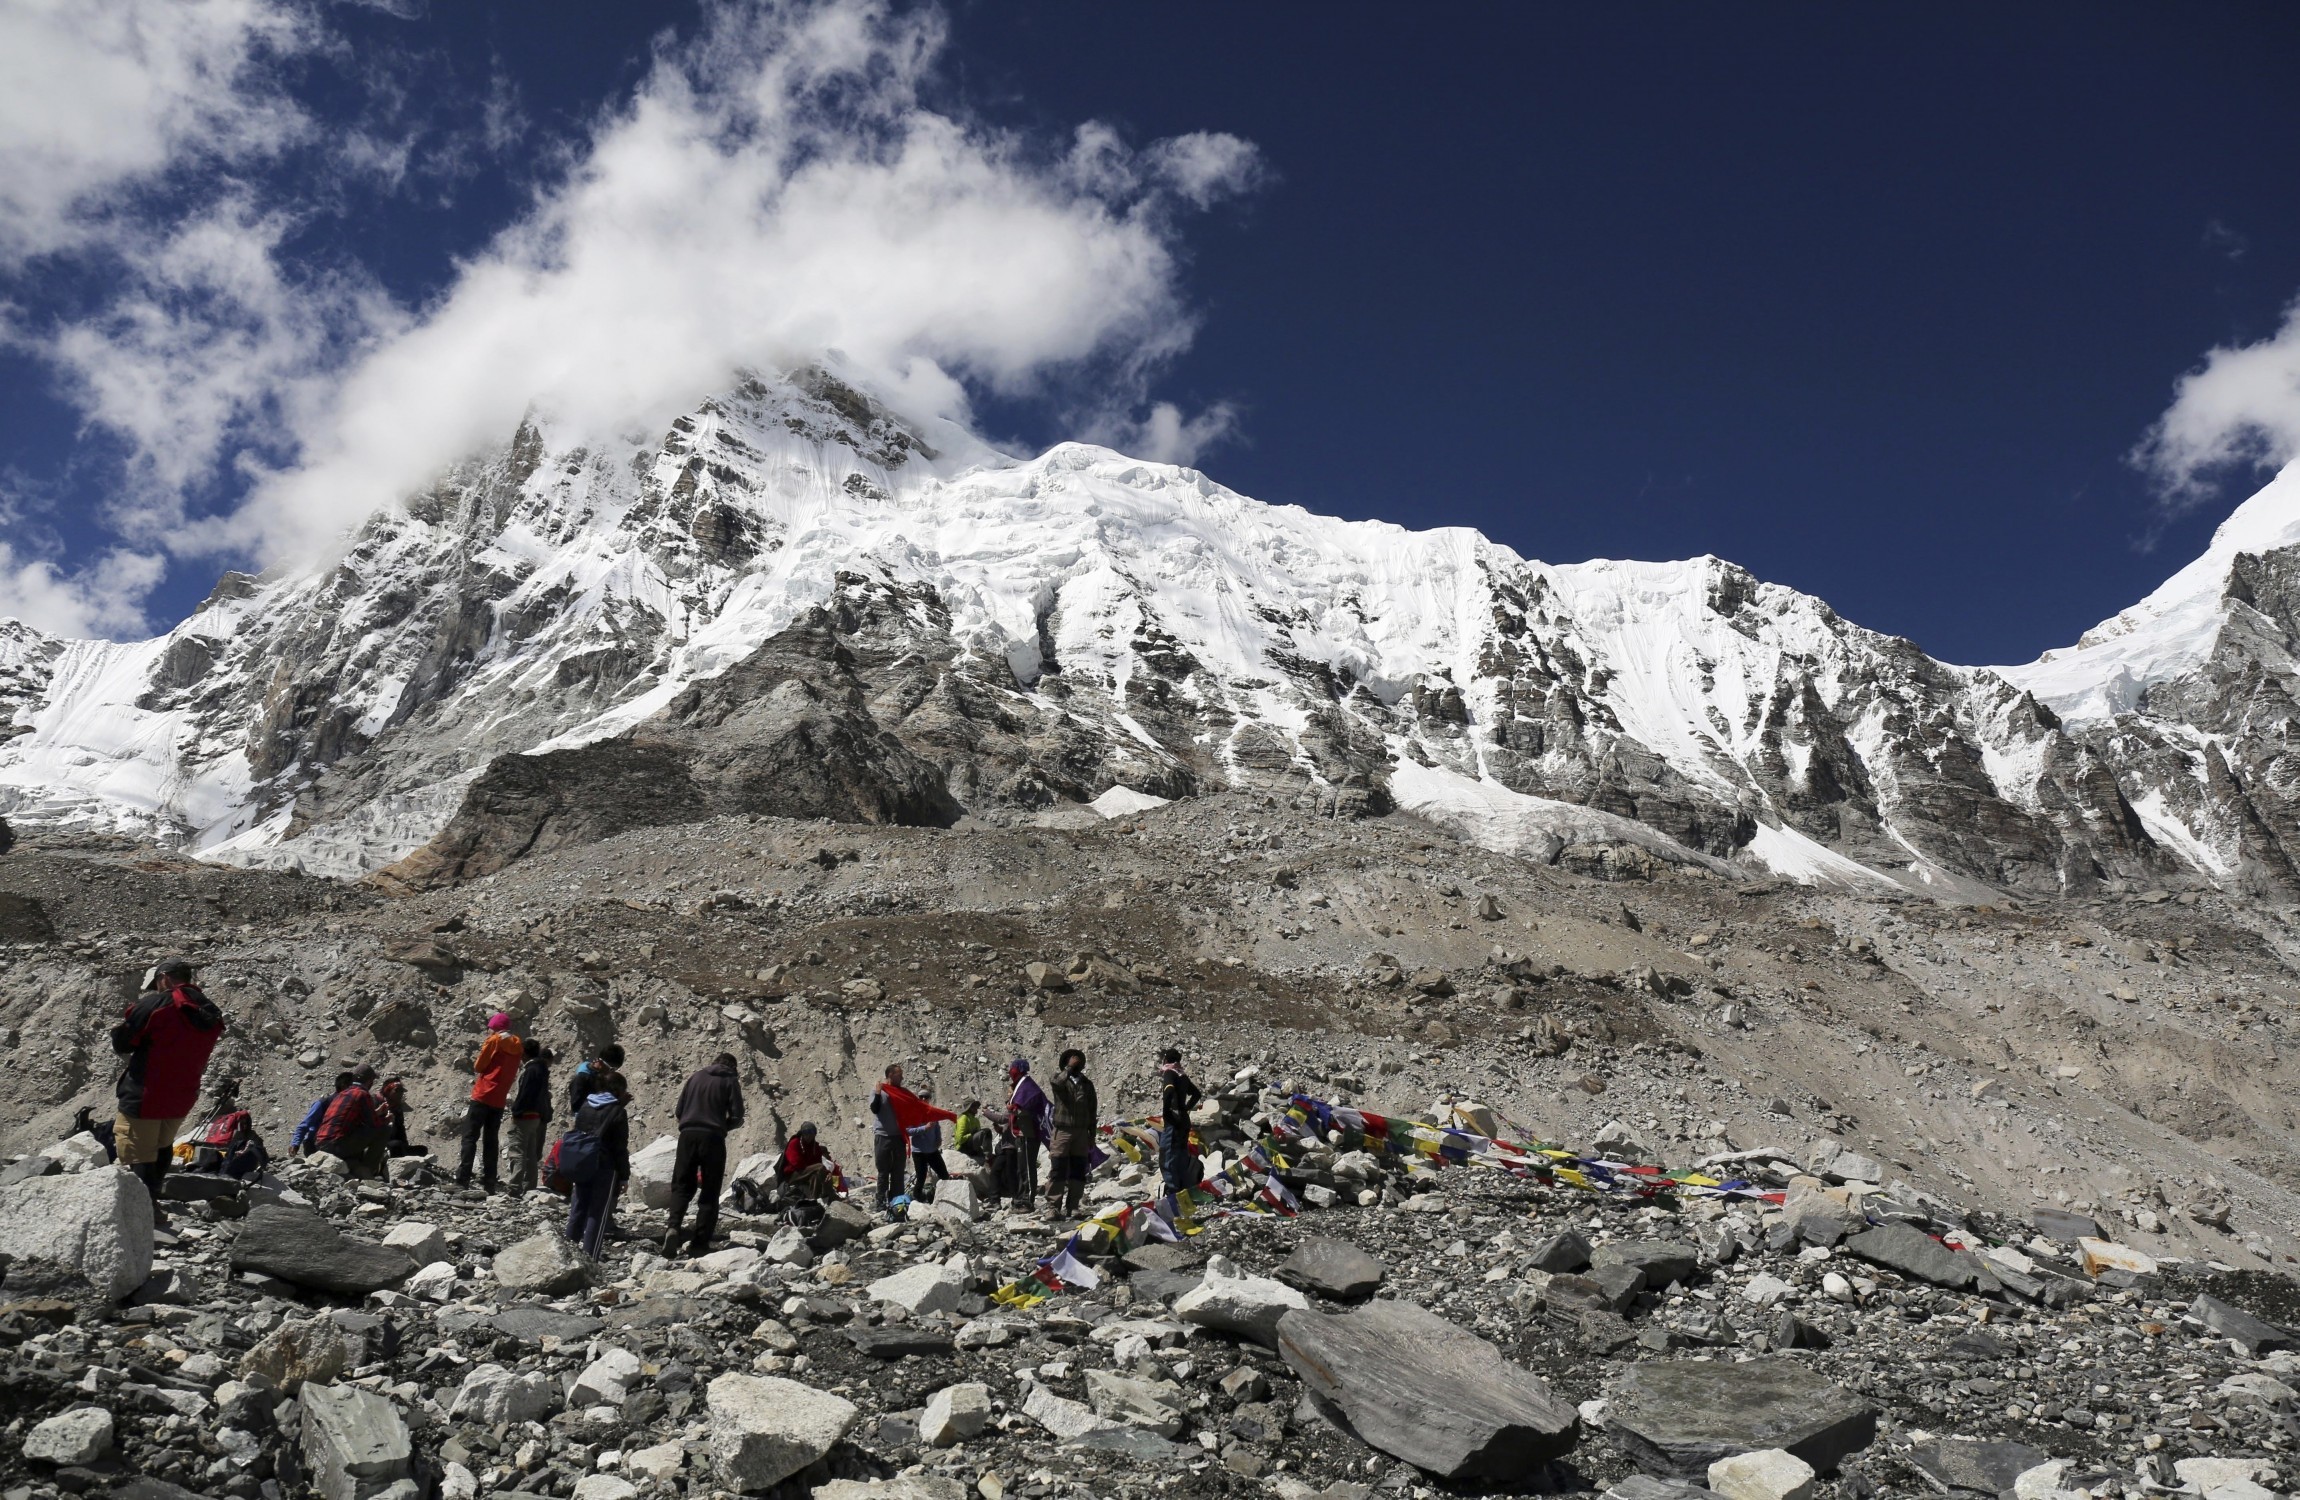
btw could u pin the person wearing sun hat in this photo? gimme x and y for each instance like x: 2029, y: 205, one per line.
x: 494, y: 1071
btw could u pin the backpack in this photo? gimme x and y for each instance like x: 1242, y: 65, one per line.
x: 578, y: 1157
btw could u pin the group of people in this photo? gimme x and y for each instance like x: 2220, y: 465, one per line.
x: 168, y: 1034
x: 1061, y: 1118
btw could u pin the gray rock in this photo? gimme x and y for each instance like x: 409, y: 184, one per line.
x: 301, y: 1248
x: 1912, y: 1252
x: 1561, y: 1254
x: 80, y: 1436
x: 1419, y: 1388
x: 96, y: 1223
x: 354, y: 1443
x: 897, y: 1340
x: 1646, y: 1487
x: 533, y: 1324
x: 296, y: 1353
x: 842, y: 1221
x: 1228, y: 1300
x: 1662, y: 1261
x: 955, y: 1413
x: 544, y: 1263
x: 901, y: 1487
x: 1620, y: 1284
x: 2228, y: 1322
x: 491, y: 1394
x: 1965, y: 1464
x: 765, y: 1429
x: 1162, y: 1255
x: 1675, y: 1418
x: 1332, y: 1268
x: 2059, y: 1224
x: 1156, y: 1405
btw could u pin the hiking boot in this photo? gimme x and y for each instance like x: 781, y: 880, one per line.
x: 671, y: 1241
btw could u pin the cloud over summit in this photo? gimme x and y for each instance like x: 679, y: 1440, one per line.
x: 780, y: 183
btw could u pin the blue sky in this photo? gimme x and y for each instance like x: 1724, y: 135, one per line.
x: 1879, y: 304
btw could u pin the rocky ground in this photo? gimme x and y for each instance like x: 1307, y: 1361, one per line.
x: 1970, y: 1065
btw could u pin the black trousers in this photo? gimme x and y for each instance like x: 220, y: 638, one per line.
x: 887, y: 1154
x: 701, y: 1166
x: 481, y: 1123
x: 926, y: 1164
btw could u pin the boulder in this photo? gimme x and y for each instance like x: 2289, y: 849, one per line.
x: 1157, y: 1405
x: 491, y: 1395
x: 1662, y: 1261
x: 663, y: 1461
x: 960, y: 1195
x: 355, y: 1446
x: 651, y: 1171
x: 606, y: 1380
x: 1419, y: 1388
x: 98, y: 1224
x: 1767, y: 1474
x: 546, y: 1264
x: 80, y: 1436
x: 1067, y: 1420
x: 1560, y: 1254
x: 1677, y: 1417
x: 895, y: 1341
x: 1967, y: 1464
x: 295, y: 1354
x: 1228, y: 1300
x: 2106, y: 1255
x: 921, y: 1289
x: 1916, y: 1254
x: 299, y: 1247
x: 425, y: 1244
x: 901, y: 1487
x: 842, y: 1221
x: 605, y: 1487
x: 2228, y: 1322
x: 1333, y: 1268
x: 765, y: 1429
x: 955, y: 1413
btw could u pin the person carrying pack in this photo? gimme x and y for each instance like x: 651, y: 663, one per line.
x: 593, y: 1155
x: 166, y: 1037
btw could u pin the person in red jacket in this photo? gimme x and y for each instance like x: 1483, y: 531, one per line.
x: 166, y: 1036
x: 496, y: 1069
x: 356, y: 1126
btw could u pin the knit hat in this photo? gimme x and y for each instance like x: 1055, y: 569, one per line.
x: 499, y: 1022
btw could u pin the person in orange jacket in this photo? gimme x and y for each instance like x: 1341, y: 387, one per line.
x: 496, y: 1069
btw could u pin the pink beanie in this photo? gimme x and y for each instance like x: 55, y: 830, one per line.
x: 499, y: 1022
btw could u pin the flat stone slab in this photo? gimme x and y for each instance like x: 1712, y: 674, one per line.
x: 1677, y: 1417
x: 1419, y: 1388
x: 2228, y: 1322
x: 1914, y: 1253
x: 1968, y: 1464
x: 1333, y: 1268
x: 301, y: 1248
x: 897, y: 1341
x: 533, y: 1324
x: 1164, y: 1286
x: 2059, y: 1224
x: 1163, y: 1255
x: 1662, y: 1261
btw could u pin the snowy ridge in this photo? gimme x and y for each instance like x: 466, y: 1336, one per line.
x: 1107, y: 631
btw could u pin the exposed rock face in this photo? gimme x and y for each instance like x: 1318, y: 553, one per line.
x: 1437, y: 1396
x: 794, y: 602
x: 1677, y: 1418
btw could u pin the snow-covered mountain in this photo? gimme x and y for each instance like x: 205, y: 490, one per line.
x: 797, y: 602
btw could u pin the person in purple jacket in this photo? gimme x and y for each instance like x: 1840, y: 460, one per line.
x: 1027, y: 1111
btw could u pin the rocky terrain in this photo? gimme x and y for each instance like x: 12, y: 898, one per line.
x: 1989, y: 1073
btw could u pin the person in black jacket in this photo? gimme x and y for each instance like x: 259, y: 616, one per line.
x: 1177, y: 1096
x: 586, y: 1080
x: 709, y: 1106
x: 530, y: 1113
x: 604, y: 1116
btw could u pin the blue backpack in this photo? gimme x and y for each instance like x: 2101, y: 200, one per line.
x: 579, y: 1157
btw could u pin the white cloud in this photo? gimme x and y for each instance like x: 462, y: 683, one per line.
x: 2240, y: 408
x: 99, y: 96
x: 774, y: 189
x: 1166, y: 436
x: 106, y: 598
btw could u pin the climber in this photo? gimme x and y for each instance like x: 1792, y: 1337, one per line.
x: 710, y: 1106
x: 1177, y: 1096
x: 166, y: 1036
x: 1074, y: 1109
x: 495, y: 1070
